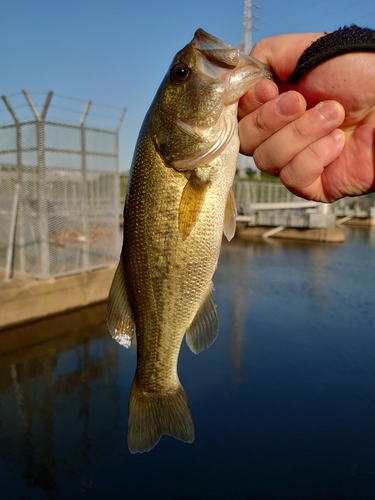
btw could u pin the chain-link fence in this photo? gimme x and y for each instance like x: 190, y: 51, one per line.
x: 59, y: 196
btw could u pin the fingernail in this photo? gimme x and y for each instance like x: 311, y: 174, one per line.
x: 287, y: 105
x: 338, y: 136
x: 258, y: 94
x: 328, y: 110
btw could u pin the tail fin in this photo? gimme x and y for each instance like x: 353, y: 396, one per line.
x: 152, y: 415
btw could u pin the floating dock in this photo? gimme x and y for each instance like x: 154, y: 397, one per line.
x: 326, y: 234
x: 291, y: 224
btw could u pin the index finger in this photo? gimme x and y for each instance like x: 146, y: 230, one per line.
x: 257, y: 127
x: 262, y: 92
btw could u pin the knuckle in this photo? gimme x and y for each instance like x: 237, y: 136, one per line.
x: 289, y: 176
x: 316, y: 151
x: 261, y: 123
x: 299, y: 129
x: 264, y: 163
x: 257, y: 157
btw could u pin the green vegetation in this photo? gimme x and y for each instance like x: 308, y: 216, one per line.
x: 123, y: 185
x: 253, y: 176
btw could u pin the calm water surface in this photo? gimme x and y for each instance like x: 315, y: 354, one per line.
x: 283, y: 402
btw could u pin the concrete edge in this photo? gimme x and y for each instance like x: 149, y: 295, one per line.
x: 22, y: 301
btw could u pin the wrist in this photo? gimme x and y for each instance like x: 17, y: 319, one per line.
x: 341, y: 41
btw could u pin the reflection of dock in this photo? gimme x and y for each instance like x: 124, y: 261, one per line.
x: 51, y: 423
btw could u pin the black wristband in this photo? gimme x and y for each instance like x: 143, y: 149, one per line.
x: 347, y: 39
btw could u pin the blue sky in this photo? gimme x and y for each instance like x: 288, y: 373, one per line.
x: 116, y: 52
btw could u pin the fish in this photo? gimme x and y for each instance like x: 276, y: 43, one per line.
x: 179, y: 202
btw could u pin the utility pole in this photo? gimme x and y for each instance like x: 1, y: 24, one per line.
x: 248, y: 25
x: 246, y: 46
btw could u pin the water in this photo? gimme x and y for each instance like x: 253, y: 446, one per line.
x: 283, y: 402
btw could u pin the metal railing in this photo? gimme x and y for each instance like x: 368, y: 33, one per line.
x: 252, y: 197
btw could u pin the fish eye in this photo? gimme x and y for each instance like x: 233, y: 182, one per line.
x: 180, y: 73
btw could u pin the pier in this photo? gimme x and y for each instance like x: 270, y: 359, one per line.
x: 270, y: 210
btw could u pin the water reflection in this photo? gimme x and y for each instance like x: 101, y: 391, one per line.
x: 51, y: 395
x: 283, y: 402
x: 263, y: 277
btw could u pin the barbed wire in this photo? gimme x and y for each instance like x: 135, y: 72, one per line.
x: 62, y: 96
x: 58, y: 111
x: 109, y: 117
x: 14, y: 95
x: 94, y: 103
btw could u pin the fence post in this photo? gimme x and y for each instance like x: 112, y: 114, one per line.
x: 42, y: 183
x: 20, y: 215
x: 12, y: 235
x: 85, y: 221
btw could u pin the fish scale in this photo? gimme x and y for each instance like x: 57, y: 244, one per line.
x: 178, y: 203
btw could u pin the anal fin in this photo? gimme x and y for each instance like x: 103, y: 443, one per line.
x: 120, y: 319
x: 202, y: 332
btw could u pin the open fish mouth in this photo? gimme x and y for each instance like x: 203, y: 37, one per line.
x: 221, y: 53
x: 215, y: 50
x: 218, y: 58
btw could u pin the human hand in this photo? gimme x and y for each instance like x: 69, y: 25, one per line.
x: 319, y: 135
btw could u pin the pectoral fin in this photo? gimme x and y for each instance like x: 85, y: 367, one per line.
x: 230, y: 216
x: 203, y: 330
x: 120, y: 320
x: 191, y: 204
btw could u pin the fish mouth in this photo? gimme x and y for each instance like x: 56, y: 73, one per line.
x: 215, y: 50
x: 218, y: 60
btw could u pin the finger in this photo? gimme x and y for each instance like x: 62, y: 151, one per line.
x: 262, y: 92
x: 257, y: 127
x: 303, y: 175
x: 280, y: 149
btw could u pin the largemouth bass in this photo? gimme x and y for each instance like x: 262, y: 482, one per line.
x: 179, y: 202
